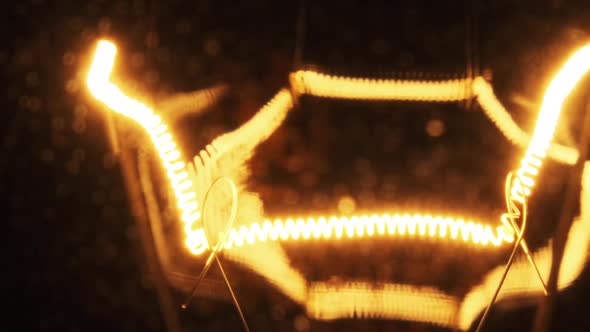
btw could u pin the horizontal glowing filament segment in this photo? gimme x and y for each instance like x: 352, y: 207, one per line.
x: 560, y: 87
x: 342, y: 87
x: 369, y: 226
x: 108, y: 93
x: 323, y: 85
x: 388, y: 301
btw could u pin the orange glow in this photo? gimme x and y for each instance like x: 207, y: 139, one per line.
x: 108, y: 93
x: 429, y: 305
x: 370, y: 226
x: 255, y: 244
x: 258, y: 128
x: 389, y: 301
x: 421, y: 226
x: 522, y: 280
x: 323, y: 85
x: 562, y: 84
x: 496, y: 112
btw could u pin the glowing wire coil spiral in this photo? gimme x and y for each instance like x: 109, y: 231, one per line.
x: 343, y: 87
x: 323, y: 300
x: 324, y: 85
x: 161, y: 137
x: 408, y: 225
x: 389, y: 301
x: 561, y: 85
x: 183, y: 187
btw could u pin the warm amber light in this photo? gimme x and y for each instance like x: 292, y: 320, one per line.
x: 393, y: 301
x: 496, y: 112
x: 422, y: 226
x: 102, y: 65
x: 323, y: 85
x: 327, y: 301
x: 562, y: 84
x: 522, y: 280
x: 108, y: 93
x: 369, y: 226
x: 385, y: 301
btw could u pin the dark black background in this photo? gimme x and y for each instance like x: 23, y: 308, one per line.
x: 74, y: 259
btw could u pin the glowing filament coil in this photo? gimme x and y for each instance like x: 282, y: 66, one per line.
x: 400, y: 225
x: 323, y: 85
x: 390, y: 301
x: 331, y: 86
x: 562, y: 84
x: 290, y: 229
x: 327, y: 301
x: 115, y: 99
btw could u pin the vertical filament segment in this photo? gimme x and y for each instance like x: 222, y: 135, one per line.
x: 562, y: 84
x: 108, y: 93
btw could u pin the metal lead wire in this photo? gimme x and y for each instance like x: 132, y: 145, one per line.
x: 497, y: 291
x: 204, y: 271
x: 217, y: 248
x: 233, y: 296
x: 513, y: 212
